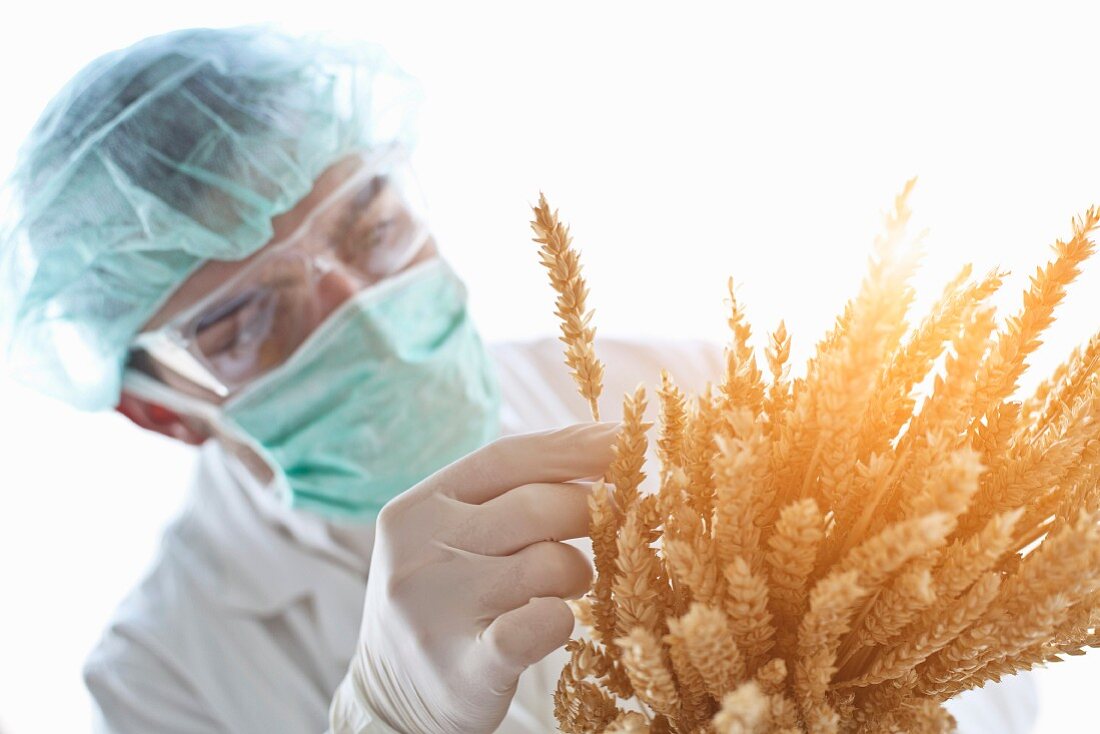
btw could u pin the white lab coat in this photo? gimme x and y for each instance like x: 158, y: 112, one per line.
x: 249, y: 615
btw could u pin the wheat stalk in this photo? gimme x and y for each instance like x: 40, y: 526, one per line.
x: 563, y: 264
x: 834, y: 552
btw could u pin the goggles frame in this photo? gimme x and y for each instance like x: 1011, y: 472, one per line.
x: 173, y: 344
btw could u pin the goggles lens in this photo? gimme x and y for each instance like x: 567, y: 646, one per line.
x: 372, y: 227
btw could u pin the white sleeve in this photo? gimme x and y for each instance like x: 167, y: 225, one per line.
x: 134, y: 691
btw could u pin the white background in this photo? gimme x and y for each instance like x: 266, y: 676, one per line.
x: 683, y: 144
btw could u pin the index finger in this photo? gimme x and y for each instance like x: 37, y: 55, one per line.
x: 545, y: 457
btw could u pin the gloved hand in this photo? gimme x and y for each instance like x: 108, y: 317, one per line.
x: 467, y: 582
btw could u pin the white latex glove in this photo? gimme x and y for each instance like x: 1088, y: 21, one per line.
x: 467, y: 582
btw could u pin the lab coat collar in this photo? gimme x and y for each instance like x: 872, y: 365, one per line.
x: 255, y: 555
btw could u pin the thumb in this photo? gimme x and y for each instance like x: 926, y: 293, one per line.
x: 526, y: 635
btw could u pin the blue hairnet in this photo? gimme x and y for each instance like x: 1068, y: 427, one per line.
x: 158, y: 157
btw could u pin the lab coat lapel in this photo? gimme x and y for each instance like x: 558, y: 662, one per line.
x: 259, y: 565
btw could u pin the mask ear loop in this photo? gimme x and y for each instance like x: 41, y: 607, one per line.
x: 153, y: 390
x: 148, y: 388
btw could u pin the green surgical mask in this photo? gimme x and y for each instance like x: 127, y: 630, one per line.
x: 392, y: 386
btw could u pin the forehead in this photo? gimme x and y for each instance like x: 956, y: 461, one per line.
x: 212, y: 274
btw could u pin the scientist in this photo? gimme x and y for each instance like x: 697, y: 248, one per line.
x: 217, y: 233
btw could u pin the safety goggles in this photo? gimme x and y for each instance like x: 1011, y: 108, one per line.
x: 370, y: 228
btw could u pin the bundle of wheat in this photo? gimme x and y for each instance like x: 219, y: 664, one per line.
x: 823, y: 553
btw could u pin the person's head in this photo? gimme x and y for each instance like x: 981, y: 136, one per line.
x: 159, y: 159
x: 231, y: 322
x: 190, y: 211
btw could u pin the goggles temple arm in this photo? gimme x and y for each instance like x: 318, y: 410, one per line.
x: 176, y: 358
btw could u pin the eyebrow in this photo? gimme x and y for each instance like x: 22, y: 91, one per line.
x: 225, y: 309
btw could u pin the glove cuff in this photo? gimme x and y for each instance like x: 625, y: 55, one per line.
x: 350, y: 711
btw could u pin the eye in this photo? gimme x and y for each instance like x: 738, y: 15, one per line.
x: 379, y: 231
x: 360, y: 245
x: 217, y: 337
x: 233, y: 323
